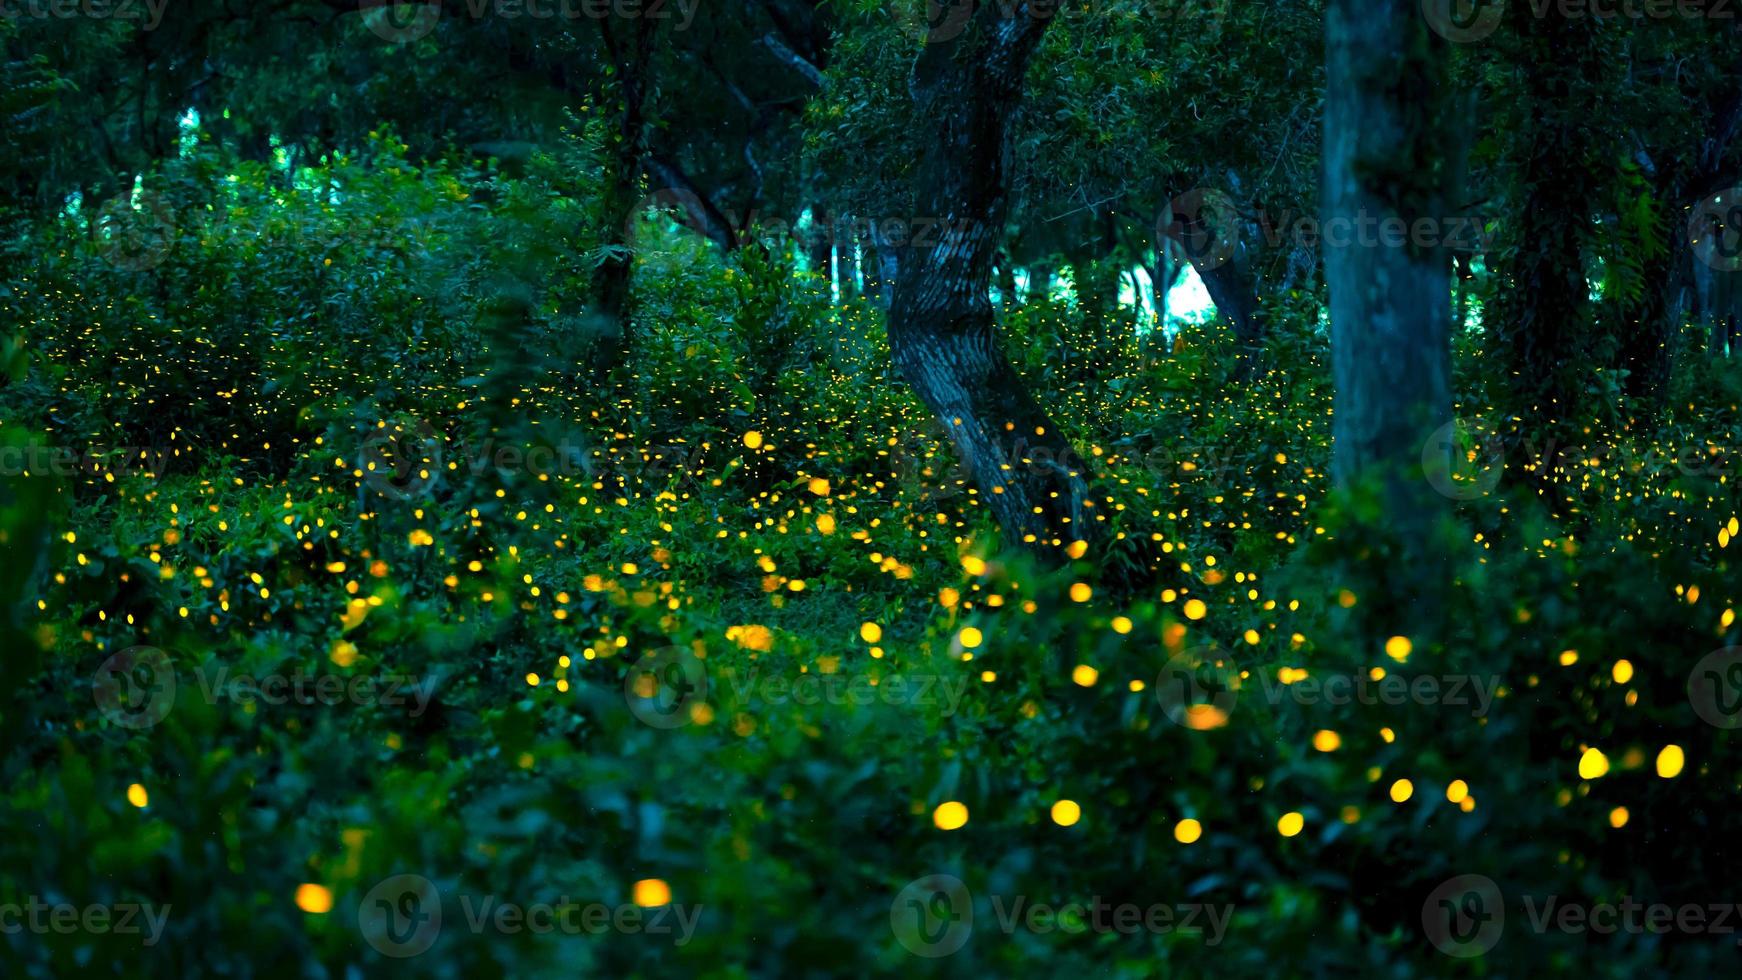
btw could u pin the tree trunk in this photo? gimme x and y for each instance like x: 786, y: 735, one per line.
x: 1564, y: 160
x: 941, y: 327
x: 1230, y: 287
x: 871, y: 270
x: 1384, y: 157
x: 610, y: 288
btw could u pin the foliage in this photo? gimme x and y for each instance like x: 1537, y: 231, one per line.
x: 755, y: 488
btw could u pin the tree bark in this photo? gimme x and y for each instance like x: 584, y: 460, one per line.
x: 1564, y: 160
x: 630, y: 57
x: 1231, y: 289
x: 1390, y: 307
x: 941, y: 326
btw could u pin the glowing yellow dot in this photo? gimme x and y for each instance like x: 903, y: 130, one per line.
x: 1569, y: 657
x: 1398, y: 648
x: 753, y: 439
x: 532, y: 679
x: 650, y: 892
x: 1623, y: 671
x: 1291, y: 824
x: 1326, y: 740
x: 870, y: 632
x: 1085, y: 675
x: 314, y: 899
x: 1121, y: 625
x: 1670, y: 761
x: 1080, y: 592
x: 950, y: 816
x: 1195, y: 609
x: 971, y: 638
x: 1402, y: 790
x: 1066, y: 813
x: 137, y: 796
x: 973, y: 566
x: 1593, y: 764
x: 1187, y: 831
x: 1457, y: 791
x: 1618, y: 817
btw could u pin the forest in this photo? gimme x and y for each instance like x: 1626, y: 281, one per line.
x: 845, y: 488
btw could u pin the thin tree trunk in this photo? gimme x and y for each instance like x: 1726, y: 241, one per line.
x: 610, y: 289
x: 941, y: 327
x: 1390, y: 307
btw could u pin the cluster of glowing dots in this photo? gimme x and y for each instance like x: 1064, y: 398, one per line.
x: 953, y: 815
